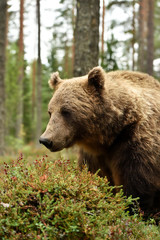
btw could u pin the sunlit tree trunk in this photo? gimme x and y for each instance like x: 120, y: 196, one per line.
x: 39, y: 80
x: 143, y: 31
x: 73, y: 29
x: 103, y: 28
x: 86, y: 36
x: 3, y: 27
x: 33, y: 94
x: 146, y: 35
x: 133, y: 34
x: 150, y: 38
x: 19, y: 123
x: 33, y: 86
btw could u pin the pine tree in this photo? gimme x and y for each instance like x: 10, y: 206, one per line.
x: 133, y: 41
x: 39, y: 80
x: 3, y: 27
x: 146, y: 36
x: 103, y: 29
x: 19, y: 122
x: 150, y: 38
x: 86, y: 36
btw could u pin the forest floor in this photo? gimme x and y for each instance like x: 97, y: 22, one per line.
x: 43, y: 195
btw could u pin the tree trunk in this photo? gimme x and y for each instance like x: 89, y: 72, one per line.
x: 146, y: 35
x: 103, y: 22
x: 33, y: 97
x: 33, y: 87
x: 3, y: 27
x: 39, y: 80
x: 73, y: 29
x: 19, y: 123
x: 86, y: 36
x: 150, y: 38
x: 133, y: 34
x: 143, y: 31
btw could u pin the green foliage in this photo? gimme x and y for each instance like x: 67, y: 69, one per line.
x: 52, y: 60
x: 46, y: 93
x: 108, y: 59
x: 14, y: 144
x: 27, y: 106
x: 12, y: 96
x: 63, y: 34
x: 54, y: 200
x: 11, y: 88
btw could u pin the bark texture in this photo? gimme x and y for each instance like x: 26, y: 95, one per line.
x: 103, y: 28
x: 19, y: 123
x: 3, y: 27
x: 143, y: 31
x: 150, y: 38
x: 39, y: 80
x: 86, y: 36
x: 133, y: 33
x: 146, y: 36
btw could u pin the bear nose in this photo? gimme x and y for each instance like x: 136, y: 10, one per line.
x: 46, y: 142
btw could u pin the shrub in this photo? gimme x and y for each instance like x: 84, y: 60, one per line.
x: 54, y: 200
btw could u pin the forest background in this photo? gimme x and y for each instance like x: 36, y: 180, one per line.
x: 40, y: 37
x: 44, y: 195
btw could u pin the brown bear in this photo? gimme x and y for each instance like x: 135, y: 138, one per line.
x: 115, y: 119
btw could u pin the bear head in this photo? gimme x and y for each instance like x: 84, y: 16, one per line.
x: 74, y: 110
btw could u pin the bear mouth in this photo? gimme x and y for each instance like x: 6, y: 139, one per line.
x: 56, y: 149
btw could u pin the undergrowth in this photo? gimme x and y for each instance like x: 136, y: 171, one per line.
x: 55, y: 200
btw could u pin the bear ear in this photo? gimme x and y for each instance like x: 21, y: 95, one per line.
x: 54, y: 80
x: 96, y: 78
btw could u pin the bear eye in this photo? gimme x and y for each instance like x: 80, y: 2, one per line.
x: 65, y: 112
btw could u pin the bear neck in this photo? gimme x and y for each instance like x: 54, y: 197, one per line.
x: 122, y: 116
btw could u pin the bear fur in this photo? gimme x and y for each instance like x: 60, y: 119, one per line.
x: 115, y: 119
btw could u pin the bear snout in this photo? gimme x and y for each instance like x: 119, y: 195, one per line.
x: 46, y: 142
